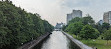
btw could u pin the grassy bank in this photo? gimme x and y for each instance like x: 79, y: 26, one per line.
x: 99, y: 43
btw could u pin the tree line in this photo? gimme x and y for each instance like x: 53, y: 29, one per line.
x: 86, y: 28
x: 18, y: 26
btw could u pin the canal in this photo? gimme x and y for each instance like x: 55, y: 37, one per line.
x: 57, y: 40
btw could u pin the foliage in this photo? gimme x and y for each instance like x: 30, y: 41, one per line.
x: 107, y: 35
x: 99, y: 28
x: 76, y: 19
x: 102, y: 28
x: 87, y: 20
x: 48, y: 27
x: 88, y: 32
x: 75, y: 28
x: 76, y: 24
x: 18, y: 26
x: 106, y: 26
x: 64, y: 27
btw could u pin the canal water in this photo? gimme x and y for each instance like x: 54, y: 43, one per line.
x: 57, y: 40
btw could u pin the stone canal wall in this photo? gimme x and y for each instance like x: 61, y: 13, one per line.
x: 34, y: 43
x: 79, y: 44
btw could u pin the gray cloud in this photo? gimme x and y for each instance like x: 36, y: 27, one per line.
x: 77, y: 3
x: 55, y: 10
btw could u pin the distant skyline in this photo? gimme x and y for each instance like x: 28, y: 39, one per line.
x: 56, y: 10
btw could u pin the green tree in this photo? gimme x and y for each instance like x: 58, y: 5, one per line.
x: 48, y: 27
x: 89, y: 32
x: 99, y: 28
x: 107, y: 35
x: 64, y: 27
x: 76, y: 19
x: 106, y: 26
x: 75, y: 28
x: 88, y: 20
x: 18, y: 26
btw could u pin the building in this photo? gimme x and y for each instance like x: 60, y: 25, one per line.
x: 69, y: 17
x: 107, y: 17
x: 59, y: 25
x: 100, y: 22
x: 75, y: 13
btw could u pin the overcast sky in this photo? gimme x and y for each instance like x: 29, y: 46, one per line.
x: 55, y: 10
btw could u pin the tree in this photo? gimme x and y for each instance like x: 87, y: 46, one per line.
x: 75, y: 28
x: 89, y: 32
x: 48, y: 27
x: 88, y: 20
x: 107, y: 35
x: 76, y: 19
x: 106, y: 26
x: 18, y: 26
x: 99, y: 28
x: 64, y: 27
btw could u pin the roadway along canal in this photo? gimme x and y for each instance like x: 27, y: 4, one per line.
x: 57, y: 40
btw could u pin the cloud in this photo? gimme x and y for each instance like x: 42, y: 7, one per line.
x: 95, y: 8
x: 55, y: 10
x: 51, y: 10
x: 77, y: 3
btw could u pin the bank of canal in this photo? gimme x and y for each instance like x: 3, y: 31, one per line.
x: 60, y: 40
x: 57, y: 40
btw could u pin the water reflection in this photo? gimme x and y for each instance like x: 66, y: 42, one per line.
x: 57, y: 40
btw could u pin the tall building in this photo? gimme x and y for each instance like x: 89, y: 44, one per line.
x: 107, y: 17
x: 75, y: 13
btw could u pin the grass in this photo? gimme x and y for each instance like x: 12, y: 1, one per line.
x: 98, y: 43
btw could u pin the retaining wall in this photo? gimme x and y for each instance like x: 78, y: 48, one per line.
x: 34, y: 43
x: 79, y: 44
